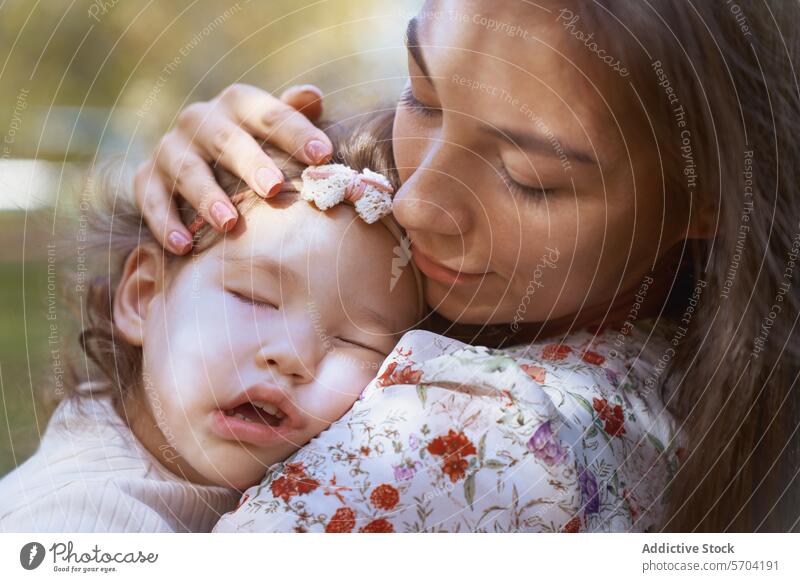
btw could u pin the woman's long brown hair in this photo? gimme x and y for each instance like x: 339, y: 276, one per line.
x: 732, y: 385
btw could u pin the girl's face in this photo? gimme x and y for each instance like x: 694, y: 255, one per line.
x: 269, y: 336
x: 529, y: 191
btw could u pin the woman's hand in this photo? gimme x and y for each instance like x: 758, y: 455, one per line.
x: 224, y: 131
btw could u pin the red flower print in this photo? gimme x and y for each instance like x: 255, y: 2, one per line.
x: 593, y: 358
x: 405, y: 375
x: 536, y: 373
x: 383, y: 379
x: 335, y: 490
x: 294, y: 481
x: 612, y: 416
x: 365, y: 451
x: 454, y: 447
x: 555, y: 352
x: 343, y: 521
x: 378, y: 526
x: 385, y: 497
x: 572, y: 526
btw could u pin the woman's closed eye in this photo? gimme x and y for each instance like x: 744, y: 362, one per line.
x: 247, y: 299
x: 523, y: 189
x: 408, y: 100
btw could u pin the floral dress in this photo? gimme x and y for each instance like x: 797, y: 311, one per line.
x: 449, y: 437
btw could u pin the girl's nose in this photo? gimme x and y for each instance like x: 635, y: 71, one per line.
x: 294, y: 355
x: 435, y: 201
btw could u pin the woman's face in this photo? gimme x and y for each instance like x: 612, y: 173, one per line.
x: 529, y: 190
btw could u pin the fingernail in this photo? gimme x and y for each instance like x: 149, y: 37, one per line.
x: 179, y: 242
x: 267, y: 181
x: 310, y: 89
x: 223, y: 215
x: 317, y: 151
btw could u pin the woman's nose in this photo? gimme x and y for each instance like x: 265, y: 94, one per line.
x: 435, y: 201
x: 294, y: 356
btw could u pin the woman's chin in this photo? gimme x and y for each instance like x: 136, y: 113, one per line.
x: 467, y: 311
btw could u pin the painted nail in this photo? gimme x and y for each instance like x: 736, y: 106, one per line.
x: 269, y: 184
x: 317, y: 151
x: 224, y: 217
x: 311, y: 89
x: 179, y: 242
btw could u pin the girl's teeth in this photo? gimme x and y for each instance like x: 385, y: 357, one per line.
x: 268, y: 408
x: 242, y: 417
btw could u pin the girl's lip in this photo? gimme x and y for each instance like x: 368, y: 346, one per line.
x: 439, y: 272
x: 254, y: 433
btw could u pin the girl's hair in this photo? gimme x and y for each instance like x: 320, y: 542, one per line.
x: 731, y: 384
x: 112, y: 227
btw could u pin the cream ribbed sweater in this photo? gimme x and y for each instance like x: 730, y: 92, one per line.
x: 91, y: 474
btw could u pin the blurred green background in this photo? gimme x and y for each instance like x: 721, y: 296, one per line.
x: 87, y: 80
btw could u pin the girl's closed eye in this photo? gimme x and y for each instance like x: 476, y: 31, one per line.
x: 247, y: 299
x: 361, y: 345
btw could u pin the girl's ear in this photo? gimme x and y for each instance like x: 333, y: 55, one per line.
x: 142, y: 280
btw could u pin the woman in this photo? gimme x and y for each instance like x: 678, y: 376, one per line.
x: 643, y: 142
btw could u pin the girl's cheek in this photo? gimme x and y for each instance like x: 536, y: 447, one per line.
x: 345, y: 380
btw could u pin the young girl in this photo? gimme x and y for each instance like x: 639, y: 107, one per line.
x: 654, y: 145
x: 204, y: 371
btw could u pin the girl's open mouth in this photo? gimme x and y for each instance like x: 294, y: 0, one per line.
x: 258, y: 412
x: 261, y: 415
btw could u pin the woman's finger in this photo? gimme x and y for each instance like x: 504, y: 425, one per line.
x: 307, y: 99
x: 280, y: 124
x: 187, y: 173
x: 159, y: 211
x: 237, y: 151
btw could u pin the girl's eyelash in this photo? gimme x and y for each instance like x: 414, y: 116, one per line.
x: 254, y: 302
x: 408, y: 100
x: 272, y: 307
x: 518, y: 188
x: 358, y: 345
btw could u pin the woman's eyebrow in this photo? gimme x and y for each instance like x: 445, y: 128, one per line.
x: 413, y: 46
x: 542, y: 144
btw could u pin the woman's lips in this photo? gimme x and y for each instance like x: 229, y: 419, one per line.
x: 440, y: 273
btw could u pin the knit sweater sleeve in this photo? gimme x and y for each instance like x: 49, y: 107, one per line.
x: 78, y: 507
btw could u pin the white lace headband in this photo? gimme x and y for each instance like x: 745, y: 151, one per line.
x: 370, y: 192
